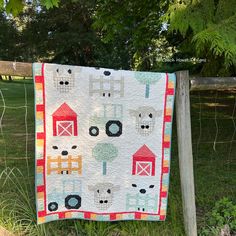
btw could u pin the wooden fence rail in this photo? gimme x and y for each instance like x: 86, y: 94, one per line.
x: 184, y: 85
x: 16, y: 68
x: 196, y: 83
x: 213, y: 83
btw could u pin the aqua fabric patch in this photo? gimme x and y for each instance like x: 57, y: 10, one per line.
x: 103, y: 140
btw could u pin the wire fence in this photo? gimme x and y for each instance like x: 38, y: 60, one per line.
x: 213, y: 124
x: 17, y: 126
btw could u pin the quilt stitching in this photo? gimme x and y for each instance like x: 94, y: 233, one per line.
x: 145, y: 202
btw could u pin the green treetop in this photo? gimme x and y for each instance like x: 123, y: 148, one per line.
x: 147, y: 78
x: 211, y: 27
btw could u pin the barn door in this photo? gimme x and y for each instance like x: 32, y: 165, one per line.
x: 143, y: 168
x: 65, y: 128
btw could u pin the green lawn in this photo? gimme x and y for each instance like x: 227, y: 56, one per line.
x: 215, y: 167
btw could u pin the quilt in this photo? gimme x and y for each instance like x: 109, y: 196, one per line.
x: 103, y: 143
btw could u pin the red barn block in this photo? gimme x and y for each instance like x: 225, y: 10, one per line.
x: 64, y: 121
x: 144, y: 162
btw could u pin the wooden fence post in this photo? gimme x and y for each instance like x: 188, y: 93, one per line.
x: 185, y: 152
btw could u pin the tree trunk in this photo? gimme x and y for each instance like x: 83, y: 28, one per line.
x: 147, y: 91
x: 10, y: 78
x: 104, y: 168
x: 1, y: 77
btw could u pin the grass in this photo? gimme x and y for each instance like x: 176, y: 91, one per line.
x: 214, y: 168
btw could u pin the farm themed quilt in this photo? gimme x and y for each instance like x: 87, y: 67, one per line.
x: 103, y: 140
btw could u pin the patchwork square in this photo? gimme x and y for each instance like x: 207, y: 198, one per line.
x: 103, y: 140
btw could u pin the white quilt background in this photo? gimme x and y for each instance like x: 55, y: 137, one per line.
x: 119, y: 171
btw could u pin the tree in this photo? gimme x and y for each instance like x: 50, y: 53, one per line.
x: 147, y: 78
x: 211, y: 27
x: 62, y: 35
x: 137, y: 23
x: 65, y: 35
x: 131, y: 31
x: 105, y: 152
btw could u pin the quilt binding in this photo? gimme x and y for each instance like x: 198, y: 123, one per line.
x: 40, y: 149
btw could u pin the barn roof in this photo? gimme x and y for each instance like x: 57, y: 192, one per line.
x: 144, y: 151
x: 64, y: 110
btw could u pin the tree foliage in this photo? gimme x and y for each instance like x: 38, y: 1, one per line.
x: 137, y: 23
x: 14, y: 7
x: 61, y: 34
x: 65, y: 35
x: 105, y: 152
x: 141, y: 35
x: 211, y: 26
x: 9, y: 38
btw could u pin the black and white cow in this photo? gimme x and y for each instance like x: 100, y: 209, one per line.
x: 103, y: 194
x: 145, y: 118
x: 64, y: 78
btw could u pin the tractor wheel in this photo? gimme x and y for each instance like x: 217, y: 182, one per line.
x: 94, y: 131
x: 113, y: 128
x: 73, y: 202
x: 52, y: 206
